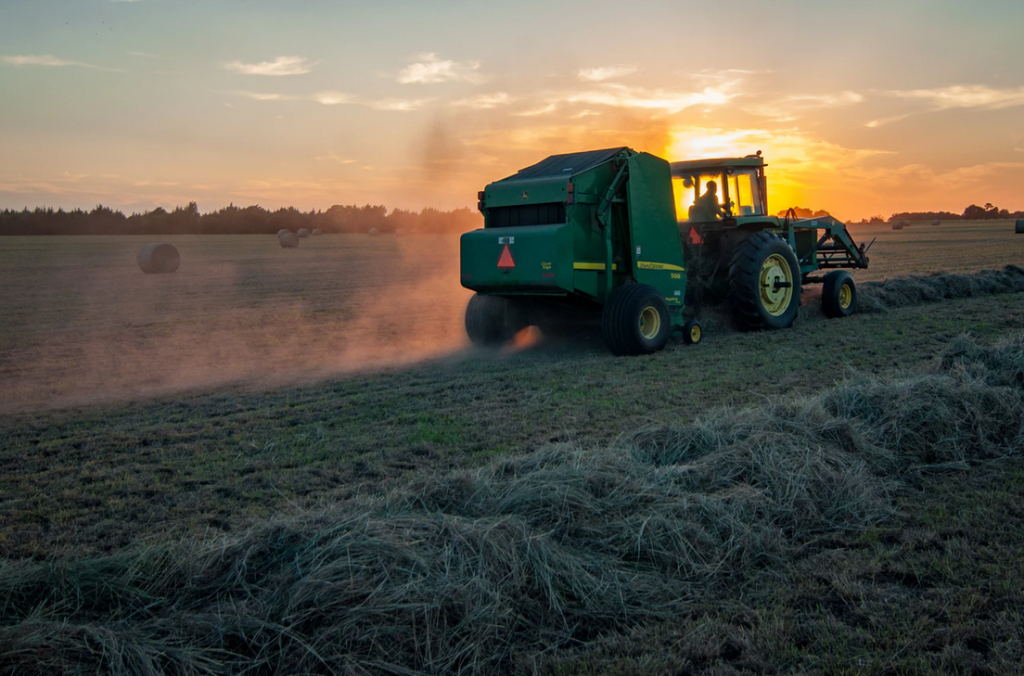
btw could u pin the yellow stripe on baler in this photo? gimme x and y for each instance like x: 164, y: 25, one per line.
x: 648, y: 265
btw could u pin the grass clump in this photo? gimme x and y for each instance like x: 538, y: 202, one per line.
x: 485, y: 571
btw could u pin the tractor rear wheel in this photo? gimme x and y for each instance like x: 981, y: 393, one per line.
x: 764, y: 283
x: 635, y: 320
x: 491, y: 320
x: 838, y: 294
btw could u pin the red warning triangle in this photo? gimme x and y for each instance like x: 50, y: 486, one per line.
x: 505, y: 261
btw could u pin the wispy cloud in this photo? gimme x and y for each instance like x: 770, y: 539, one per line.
x: 400, y: 105
x: 431, y: 70
x: 534, y: 112
x: 51, y: 62
x: 484, y: 101
x: 334, y: 157
x: 602, y: 73
x: 977, y: 97
x: 265, y: 96
x: 282, y: 65
x: 970, y: 96
x: 142, y: 54
x: 333, y: 98
x: 789, y: 108
x: 671, y: 101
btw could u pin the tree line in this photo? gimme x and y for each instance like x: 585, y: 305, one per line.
x: 971, y: 213
x: 234, y: 220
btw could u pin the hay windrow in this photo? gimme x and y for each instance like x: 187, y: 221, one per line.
x: 476, y: 572
x: 918, y: 289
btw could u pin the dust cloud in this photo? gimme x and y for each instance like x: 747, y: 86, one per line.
x: 83, y: 325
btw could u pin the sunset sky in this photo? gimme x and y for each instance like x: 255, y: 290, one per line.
x: 861, y: 108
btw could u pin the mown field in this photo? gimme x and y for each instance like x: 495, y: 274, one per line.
x: 259, y: 385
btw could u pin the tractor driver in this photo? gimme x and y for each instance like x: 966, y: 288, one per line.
x: 707, y: 205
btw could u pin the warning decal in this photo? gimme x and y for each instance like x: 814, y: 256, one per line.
x: 505, y: 260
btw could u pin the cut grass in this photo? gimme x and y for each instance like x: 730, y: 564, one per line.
x: 489, y: 571
x: 92, y: 481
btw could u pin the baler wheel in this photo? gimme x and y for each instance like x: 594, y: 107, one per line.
x: 838, y: 294
x: 635, y: 320
x: 764, y: 283
x: 692, y: 332
x: 491, y: 320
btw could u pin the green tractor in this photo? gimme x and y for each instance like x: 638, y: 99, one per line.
x: 616, y: 234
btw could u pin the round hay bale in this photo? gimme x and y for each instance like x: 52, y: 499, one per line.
x: 373, y: 232
x: 159, y: 258
x: 282, y: 231
x: 897, y: 225
x: 302, y: 232
x: 317, y: 232
x: 936, y: 222
x: 288, y: 240
x: 1019, y: 228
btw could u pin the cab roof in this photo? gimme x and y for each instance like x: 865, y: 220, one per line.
x: 689, y: 166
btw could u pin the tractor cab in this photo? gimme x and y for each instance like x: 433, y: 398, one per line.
x: 706, y: 191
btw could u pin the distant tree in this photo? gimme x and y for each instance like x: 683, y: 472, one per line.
x: 974, y: 212
x: 802, y: 212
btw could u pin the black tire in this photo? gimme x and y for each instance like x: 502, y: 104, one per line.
x: 764, y: 259
x: 838, y: 294
x: 635, y: 320
x: 692, y: 332
x: 491, y: 320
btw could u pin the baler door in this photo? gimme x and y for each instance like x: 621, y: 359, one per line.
x: 533, y: 259
x: 655, y: 246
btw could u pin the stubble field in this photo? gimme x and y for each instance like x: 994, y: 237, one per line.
x: 258, y: 384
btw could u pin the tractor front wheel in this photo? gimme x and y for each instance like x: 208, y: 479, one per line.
x: 838, y: 294
x: 635, y: 320
x: 491, y: 320
x: 764, y: 283
x: 692, y: 332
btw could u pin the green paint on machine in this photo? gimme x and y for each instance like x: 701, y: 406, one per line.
x: 565, y: 237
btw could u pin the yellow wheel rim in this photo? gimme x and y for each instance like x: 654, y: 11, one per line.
x: 775, y: 298
x: 650, y: 322
x: 694, y: 334
x: 845, y: 296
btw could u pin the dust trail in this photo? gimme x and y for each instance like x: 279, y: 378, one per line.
x: 84, y: 325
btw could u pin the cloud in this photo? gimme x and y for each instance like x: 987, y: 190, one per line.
x: 142, y: 54
x: 788, y: 108
x: 601, y: 74
x: 431, y: 70
x: 401, y: 105
x: 623, y: 96
x: 282, y: 65
x: 50, y: 61
x: 261, y: 96
x: 484, y: 101
x: 341, y: 98
x: 970, y: 96
x: 333, y: 98
x: 534, y: 112
x: 334, y: 157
